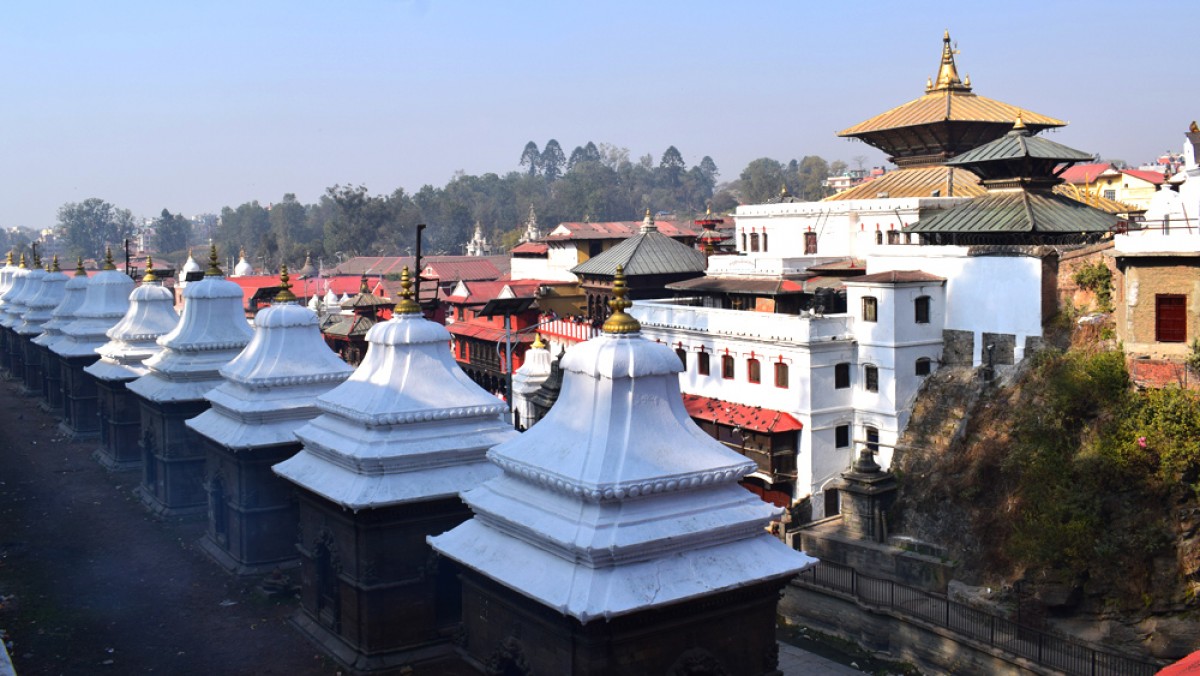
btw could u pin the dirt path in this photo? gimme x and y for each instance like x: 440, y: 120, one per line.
x: 91, y: 584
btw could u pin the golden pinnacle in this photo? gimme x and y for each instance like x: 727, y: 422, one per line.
x: 285, y: 294
x: 214, y: 268
x: 149, y: 276
x: 54, y: 264
x: 407, y: 305
x: 108, y: 259
x: 619, y: 322
x: 79, y: 271
x: 22, y: 265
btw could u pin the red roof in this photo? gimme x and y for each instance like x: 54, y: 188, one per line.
x: 619, y: 230
x: 466, y: 268
x: 251, y: 284
x: 446, y: 266
x: 1148, y: 176
x: 535, y: 248
x: 740, y: 415
x: 466, y: 329
x: 895, y: 277
x: 1084, y: 173
x: 482, y: 292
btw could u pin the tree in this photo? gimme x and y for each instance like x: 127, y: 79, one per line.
x: 672, y: 166
x: 87, y: 227
x: 591, y: 153
x: 709, y: 168
x: 532, y: 158
x: 289, y: 230
x: 575, y: 159
x: 761, y: 180
x: 552, y: 160
x: 810, y: 178
x: 171, y: 232
x: 837, y: 168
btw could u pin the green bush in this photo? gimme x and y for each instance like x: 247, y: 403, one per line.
x: 1097, y: 278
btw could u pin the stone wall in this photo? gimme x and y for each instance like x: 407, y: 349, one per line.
x: 1068, y: 292
x: 958, y: 348
x: 1004, y: 348
x: 1134, y: 298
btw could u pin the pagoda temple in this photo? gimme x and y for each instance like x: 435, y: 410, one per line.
x: 270, y: 390
x: 106, y: 302
x: 210, y: 333
x: 921, y: 135
x: 74, y: 293
x: 131, y: 341
x: 382, y: 468
x: 41, y: 308
x: 617, y: 539
x: 346, y: 334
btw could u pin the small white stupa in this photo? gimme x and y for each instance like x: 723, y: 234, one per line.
x: 532, y: 231
x: 381, y: 469
x: 243, y: 268
x: 269, y: 391
x: 189, y: 266
x: 74, y: 294
x: 330, y: 300
x: 41, y: 306
x: 616, y: 503
x: 526, y: 380
x: 315, y: 304
x: 6, y: 277
x: 211, y: 332
x: 12, y: 310
x: 134, y: 339
x: 33, y: 287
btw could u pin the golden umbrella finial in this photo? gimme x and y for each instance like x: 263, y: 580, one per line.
x: 8, y: 260
x: 108, y: 259
x: 619, y: 322
x: 22, y: 265
x: 538, y: 343
x: 214, y: 267
x: 149, y: 276
x: 285, y: 294
x: 407, y: 305
x: 1019, y: 123
x: 79, y: 271
x: 54, y: 264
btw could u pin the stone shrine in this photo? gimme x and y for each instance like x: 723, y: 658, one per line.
x: 210, y: 333
x: 40, y: 310
x: 131, y: 341
x: 381, y: 470
x: 106, y: 302
x: 617, y: 540
x: 74, y: 293
x: 533, y: 372
x: 270, y: 390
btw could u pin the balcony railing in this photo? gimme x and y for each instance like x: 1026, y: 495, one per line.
x: 682, y: 314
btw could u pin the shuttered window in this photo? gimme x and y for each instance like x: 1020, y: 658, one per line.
x: 1170, y: 318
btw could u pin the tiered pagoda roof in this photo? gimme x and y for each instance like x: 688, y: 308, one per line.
x: 649, y: 252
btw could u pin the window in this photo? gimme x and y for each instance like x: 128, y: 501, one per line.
x: 908, y: 238
x: 1110, y: 194
x: 810, y: 243
x: 753, y: 371
x: 781, y: 374
x: 841, y: 436
x: 921, y: 309
x: 754, y: 241
x: 893, y: 236
x: 879, y: 237
x: 872, y: 439
x: 764, y: 240
x: 727, y: 367
x: 841, y: 376
x: 744, y: 247
x: 702, y: 363
x: 870, y: 309
x: 871, y: 376
x: 924, y: 366
x: 1170, y: 318
x: 682, y: 353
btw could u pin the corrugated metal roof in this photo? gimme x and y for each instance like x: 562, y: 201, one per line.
x: 617, y: 230
x: 648, y: 253
x: 1018, y: 211
x: 897, y: 277
x: 751, y: 285
x: 1016, y: 145
x: 740, y: 415
x: 953, y: 106
x: 915, y: 182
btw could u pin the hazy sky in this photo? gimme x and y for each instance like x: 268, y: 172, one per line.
x: 192, y: 106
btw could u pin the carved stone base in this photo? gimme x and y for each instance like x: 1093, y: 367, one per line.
x: 81, y: 408
x: 172, y: 458
x: 120, y: 426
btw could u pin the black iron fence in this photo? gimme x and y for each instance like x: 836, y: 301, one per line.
x: 1046, y: 649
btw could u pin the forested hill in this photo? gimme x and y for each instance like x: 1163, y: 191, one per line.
x: 592, y: 182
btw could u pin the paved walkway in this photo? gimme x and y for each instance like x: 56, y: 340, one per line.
x: 796, y: 662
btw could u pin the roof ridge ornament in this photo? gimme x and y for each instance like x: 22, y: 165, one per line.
x: 648, y: 222
x: 214, y: 267
x: 947, y: 76
x: 363, y: 287
x: 1019, y: 124
x: 619, y: 322
x: 149, y: 276
x: 406, y: 306
x: 285, y: 294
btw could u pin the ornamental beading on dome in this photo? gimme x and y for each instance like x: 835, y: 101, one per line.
x: 134, y: 339
x: 74, y: 294
x: 409, y: 425
x: 210, y: 333
x: 106, y: 302
x: 616, y: 501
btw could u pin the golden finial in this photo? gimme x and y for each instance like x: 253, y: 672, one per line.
x: 79, y: 271
x: 1019, y: 123
x: 406, y: 306
x: 647, y: 213
x: 54, y: 264
x: 928, y: 84
x: 947, y: 75
x: 108, y: 259
x: 1194, y: 128
x: 22, y: 265
x: 285, y: 294
x: 783, y: 191
x: 967, y: 80
x: 363, y: 287
x: 149, y: 276
x: 8, y: 260
x: 538, y: 344
x: 214, y: 268
x: 619, y: 322
x: 242, y: 253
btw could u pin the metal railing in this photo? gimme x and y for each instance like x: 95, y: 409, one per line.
x: 1046, y: 649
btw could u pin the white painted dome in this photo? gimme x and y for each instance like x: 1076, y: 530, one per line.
x: 106, y: 302
x: 41, y: 306
x: 6, y: 277
x: 242, y: 269
x: 74, y: 294
x: 11, y: 311
x: 29, y: 291
x: 134, y: 339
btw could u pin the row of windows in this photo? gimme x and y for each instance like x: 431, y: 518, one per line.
x: 870, y: 309
x: 841, y: 372
x: 893, y: 237
x: 752, y: 243
x: 841, y: 437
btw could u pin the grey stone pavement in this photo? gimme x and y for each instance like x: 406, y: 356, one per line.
x: 796, y: 662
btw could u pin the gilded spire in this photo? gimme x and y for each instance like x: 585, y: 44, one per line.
x: 363, y: 287
x: 406, y: 306
x: 108, y: 259
x: 1019, y: 124
x: 947, y: 75
x: 214, y: 267
x: 149, y: 276
x: 285, y: 294
x: 8, y: 260
x: 22, y: 265
x: 619, y: 322
x: 54, y: 264
x: 79, y: 271
x: 538, y: 343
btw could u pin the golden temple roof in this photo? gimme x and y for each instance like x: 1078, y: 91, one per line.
x: 915, y: 182
x: 954, y: 106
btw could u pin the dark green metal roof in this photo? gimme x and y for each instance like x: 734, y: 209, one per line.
x: 647, y: 253
x: 1019, y: 144
x: 1018, y: 211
